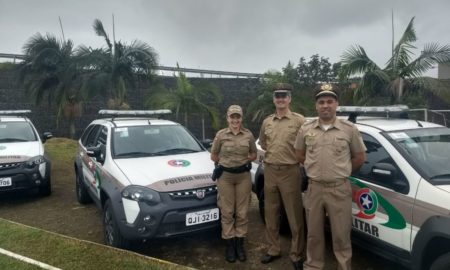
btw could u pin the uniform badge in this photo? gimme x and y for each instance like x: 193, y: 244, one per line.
x: 310, y: 138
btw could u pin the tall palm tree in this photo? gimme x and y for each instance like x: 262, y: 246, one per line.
x: 113, y: 69
x: 400, y: 70
x: 186, y: 99
x: 50, y: 71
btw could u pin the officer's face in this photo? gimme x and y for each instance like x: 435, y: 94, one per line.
x: 326, y: 107
x: 281, y: 100
x: 234, y: 120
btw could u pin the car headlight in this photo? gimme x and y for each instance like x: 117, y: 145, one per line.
x: 34, y: 161
x: 141, y: 194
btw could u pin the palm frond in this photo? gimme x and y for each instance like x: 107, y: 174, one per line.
x: 355, y: 61
x: 100, y: 31
x: 432, y: 54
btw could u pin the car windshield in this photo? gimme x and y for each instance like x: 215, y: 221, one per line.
x: 16, y: 132
x: 141, y: 141
x: 429, y: 149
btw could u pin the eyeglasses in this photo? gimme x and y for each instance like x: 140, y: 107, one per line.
x: 280, y: 95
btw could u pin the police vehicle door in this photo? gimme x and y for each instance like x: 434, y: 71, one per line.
x: 91, y: 166
x: 382, y: 208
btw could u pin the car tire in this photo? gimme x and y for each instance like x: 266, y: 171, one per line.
x: 284, y: 223
x: 111, y: 231
x: 441, y: 263
x: 81, y: 190
x: 45, y: 190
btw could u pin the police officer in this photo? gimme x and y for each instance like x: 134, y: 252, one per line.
x: 330, y: 149
x: 282, y: 176
x: 233, y: 149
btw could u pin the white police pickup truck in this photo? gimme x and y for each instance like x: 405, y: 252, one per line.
x: 401, y: 195
x: 24, y: 165
x: 150, y: 177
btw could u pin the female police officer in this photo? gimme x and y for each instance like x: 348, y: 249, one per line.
x: 233, y: 149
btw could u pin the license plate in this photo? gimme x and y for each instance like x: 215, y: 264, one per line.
x: 200, y: 217
x: 5, y: 182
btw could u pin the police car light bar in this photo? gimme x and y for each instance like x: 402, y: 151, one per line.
x: 14, y: 112
x: 116, y: 113
x: 372, y: 109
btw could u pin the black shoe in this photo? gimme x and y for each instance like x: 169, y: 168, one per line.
x: 240, y: 251
x: 298, y: 265
x: 230, y: 253
x: 267, y: 258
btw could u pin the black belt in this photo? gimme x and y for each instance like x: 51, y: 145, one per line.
x: 239, y: 169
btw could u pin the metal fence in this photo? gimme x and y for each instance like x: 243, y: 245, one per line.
x: 441, y: 117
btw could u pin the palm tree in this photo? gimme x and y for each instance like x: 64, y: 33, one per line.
x: 186, y: 99
x: 400, y: 70
x: 113, y: 69
x: 50, y: 71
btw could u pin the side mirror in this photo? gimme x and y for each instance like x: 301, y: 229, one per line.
x: 207, y: 143
x: 45, y: 136
x: 96, y: 152
x: 389, y: 175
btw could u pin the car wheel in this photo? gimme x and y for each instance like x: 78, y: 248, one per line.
x: 45, y: 190
x: 82, y: 193
x: 112, y: 234
x: 441, y: 263
x: 284, y: 223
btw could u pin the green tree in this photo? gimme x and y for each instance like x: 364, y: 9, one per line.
x: 186, y: 99
x: 400, y: 70
x: 50, y: 71
x: 317, y: 69
x: 113, y: 69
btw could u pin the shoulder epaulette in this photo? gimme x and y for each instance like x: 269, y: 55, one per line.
x: 310, y: 122
x: 298, y: 114
x: 346, y: 122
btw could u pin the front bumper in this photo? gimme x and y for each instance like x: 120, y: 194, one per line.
x: 167, y: 218
x: 22, y: 177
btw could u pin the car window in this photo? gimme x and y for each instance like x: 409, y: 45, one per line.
x: 85, y: 134
x: 376, y: 154
x: 427, y: 150
x: 91, y: 138
x: 153, y: 140
x: 17, y: 132
x: 102, y: 137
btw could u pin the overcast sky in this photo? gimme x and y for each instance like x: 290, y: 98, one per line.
x: 232, y: 35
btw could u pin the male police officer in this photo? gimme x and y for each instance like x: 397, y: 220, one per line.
x: 330, y: 150
x: 282, y: 176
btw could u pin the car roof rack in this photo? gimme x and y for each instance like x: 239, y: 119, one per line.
x: 391, y: 111
x: 134, y: 113
x: 14, y: 112
x: 18, y: 113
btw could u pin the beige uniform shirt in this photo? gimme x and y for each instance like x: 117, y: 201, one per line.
x: 233, y: 150
x: 277, y: 136
x: 328, y: 153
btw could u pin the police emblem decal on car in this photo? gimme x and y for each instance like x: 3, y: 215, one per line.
x: 179, y: 163
x: 200, y: 193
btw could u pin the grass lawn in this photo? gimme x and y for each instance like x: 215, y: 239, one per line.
x: 68, y: 253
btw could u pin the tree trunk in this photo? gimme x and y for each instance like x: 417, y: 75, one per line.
x: 72, y: 127
x: 400, y: 90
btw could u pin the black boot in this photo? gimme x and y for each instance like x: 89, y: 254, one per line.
x: 230, y: 253
x: 240, y: 251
